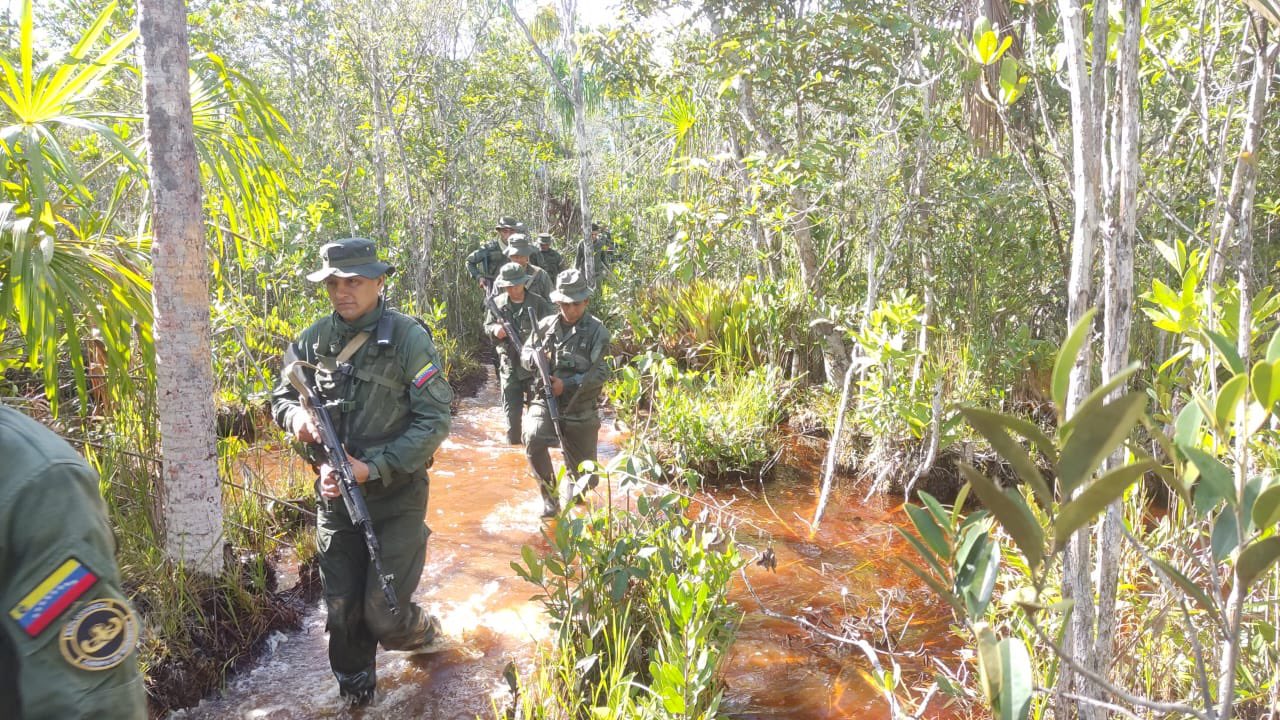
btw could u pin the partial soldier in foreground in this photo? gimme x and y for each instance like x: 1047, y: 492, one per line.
x: 547, y: 257
x: 574, y: 343
x: 513, y: 304
x: 484, y: 262
x: 519, y: 251
x: 68, y: 646
x: 383, y: 383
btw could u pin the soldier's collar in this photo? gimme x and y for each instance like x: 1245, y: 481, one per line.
x: 368, y: 321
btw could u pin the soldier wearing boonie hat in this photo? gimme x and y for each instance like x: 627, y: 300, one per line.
x: 520, y: 250
x: 575, y: 343
x: 484, y: 261
x: 513, y: 304
x: 547, y: 257
x: 384, y: 385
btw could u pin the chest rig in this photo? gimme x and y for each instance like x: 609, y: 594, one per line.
x: 365, y: 397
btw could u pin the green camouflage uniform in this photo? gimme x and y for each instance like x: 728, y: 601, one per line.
x: 483, y: 263
x: 577, y: 357
x: 67, y: 650
x: 515, y: 381
x: 391, y: 409
x: 540, y: 282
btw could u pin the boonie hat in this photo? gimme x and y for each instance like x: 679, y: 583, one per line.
x: 519, y: 245
x: 350, y: 257
x: 506, y: 223
x: 571, y: 287
x: 511, y: 275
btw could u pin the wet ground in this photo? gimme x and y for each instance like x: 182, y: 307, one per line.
x: 484, y: 507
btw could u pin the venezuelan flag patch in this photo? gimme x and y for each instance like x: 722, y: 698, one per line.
x: 52, y: 596
x: 425, y: 374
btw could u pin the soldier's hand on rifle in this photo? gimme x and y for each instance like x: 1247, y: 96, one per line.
x: 557, y: 386
x: 329, y: 476
x: 499, y: 332
x: 304, y: 428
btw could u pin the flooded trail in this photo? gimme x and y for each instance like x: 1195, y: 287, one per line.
x: 484, y: 506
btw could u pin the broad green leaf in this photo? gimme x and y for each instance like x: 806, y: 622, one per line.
x: 1265, y: 381
x: 1016, y: 680
x: 924, y: 552
x: 992, y: 426
x: 939, y: 513
x: 1273, y: 347
x: 977, y: 572
x: 1229, y: 396
x: 937, y: 587
x: 1215, y: 479
x: 929, y: 530
x: 1266, y: 509
x: 989, y: 670
x: 1098, y: 396
x: 1256, y: 559
x: 1066, y: 359
x: 1187, y: 426
x: 1228, y: 350
x: 1099, y: 430
x: 1226, y: 534
x: 1011, y: 511
x: 985, y: 47
x: 1094, y: 500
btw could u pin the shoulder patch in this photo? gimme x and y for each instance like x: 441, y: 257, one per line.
x: 99, y: 636
x: 426, y: 373
x: 52, y: 596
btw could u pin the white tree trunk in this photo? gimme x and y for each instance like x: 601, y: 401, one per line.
x: 1085, y: 185
x: 191, y: 496
x: 1118, y: 311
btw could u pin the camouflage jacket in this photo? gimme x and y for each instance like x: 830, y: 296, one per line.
x: 577, y: 354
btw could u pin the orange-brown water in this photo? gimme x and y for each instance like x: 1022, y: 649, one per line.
x: 484, y: 507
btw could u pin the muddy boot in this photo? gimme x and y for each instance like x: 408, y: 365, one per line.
x: 433, y: 639
x: 357, y: 689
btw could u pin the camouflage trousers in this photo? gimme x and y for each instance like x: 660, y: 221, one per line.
x: 580, y: 437
x: 358, y: 616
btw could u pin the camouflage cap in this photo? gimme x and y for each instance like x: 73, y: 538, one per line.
x: 350, y: 257
x: 571, y: 287
x: 518, y: 244
x: 544, y: 238
x: 522, y: 228
x: 506, y: 223
x: 511, y: 275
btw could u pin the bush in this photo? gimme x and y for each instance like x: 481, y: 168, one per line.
x: 639, y: 604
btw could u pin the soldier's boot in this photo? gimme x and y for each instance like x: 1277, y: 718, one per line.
x: 357, y: 689
x: 432, y: 636
x: 550, y: 500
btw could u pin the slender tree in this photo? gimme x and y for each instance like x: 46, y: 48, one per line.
x: 190, y: 494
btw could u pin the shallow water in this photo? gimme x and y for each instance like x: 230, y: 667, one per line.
x: 484, y: 506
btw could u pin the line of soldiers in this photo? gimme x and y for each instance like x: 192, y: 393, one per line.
x: 554, y: 323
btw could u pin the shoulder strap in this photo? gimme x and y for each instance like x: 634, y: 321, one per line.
x: 352, y: 346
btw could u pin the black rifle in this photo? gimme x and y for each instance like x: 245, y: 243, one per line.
x: 351, y: 494
x: 512, y: 334
x: 553, y: 408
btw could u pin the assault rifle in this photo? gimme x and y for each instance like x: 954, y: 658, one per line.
x: 512, y: 334
x: 352, y: 495
x: 553, y: 408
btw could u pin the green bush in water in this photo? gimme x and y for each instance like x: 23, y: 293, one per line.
x: 639, y: 605
x: 718, y: 423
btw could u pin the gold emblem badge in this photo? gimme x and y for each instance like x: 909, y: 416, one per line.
x: 99, y: 636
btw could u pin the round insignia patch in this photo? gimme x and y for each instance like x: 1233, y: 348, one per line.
x: 99, y: 636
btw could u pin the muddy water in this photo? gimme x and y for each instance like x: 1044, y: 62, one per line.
x: 484, y: 506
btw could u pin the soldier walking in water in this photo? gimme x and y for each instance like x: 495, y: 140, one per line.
x: 511, y: 308
x: 573, y: 344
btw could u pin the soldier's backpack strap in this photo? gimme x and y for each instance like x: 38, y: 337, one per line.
x: 348, y: 350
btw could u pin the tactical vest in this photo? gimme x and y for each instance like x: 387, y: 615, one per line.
x: 367, y: 392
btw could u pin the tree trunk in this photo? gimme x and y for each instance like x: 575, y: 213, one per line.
x: 1086, y: 173
x: 1240, y: 218
x: 1118, y: 312
x: 190, y: 492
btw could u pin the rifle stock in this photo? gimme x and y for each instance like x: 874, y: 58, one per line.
x: 352, y: 495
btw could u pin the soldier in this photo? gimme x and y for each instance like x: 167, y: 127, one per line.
x: 68, y: 646
x: 574, y: 344
x: 513, y: 306
x: 547, y: 257
x: 483, y: 263
x: 383, y: 383
x: 519, y: 251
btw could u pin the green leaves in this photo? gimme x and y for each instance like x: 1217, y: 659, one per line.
x: 986, y: 46
x: 1011, y: 511
x: 1066, y: 358
x: 1098, y: 430
x: 1095, y: 499
x: 1005, y: 669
